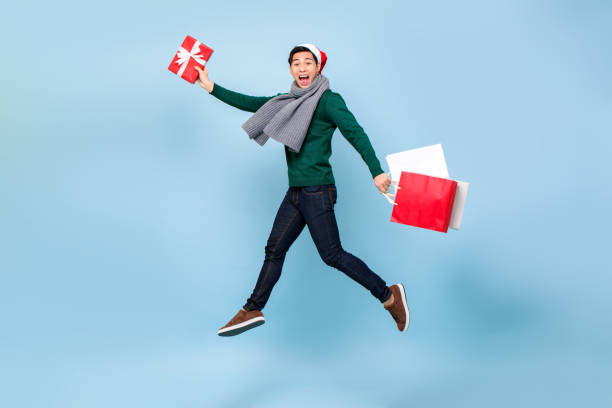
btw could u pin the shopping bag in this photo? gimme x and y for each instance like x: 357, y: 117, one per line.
x: 424, y: 160
x: 459, y: 204
x: 424, y: 201
x: 428, y: 160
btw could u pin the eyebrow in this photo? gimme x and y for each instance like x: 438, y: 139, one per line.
x: 296, y: 59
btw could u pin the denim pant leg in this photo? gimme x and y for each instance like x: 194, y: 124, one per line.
x: 317, y: 205
x: 287, y: 226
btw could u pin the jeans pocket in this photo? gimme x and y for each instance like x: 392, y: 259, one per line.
x: 332, y: 195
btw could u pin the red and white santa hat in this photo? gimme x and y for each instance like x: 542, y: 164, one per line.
x: 321, y: 57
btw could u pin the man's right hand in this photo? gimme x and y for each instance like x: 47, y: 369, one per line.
x: 203, y: 80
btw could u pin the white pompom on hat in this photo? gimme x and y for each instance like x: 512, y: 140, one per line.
x: 321, y: 56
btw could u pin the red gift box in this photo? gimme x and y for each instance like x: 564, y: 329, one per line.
x: 191, y: 54
x: 424, y: 201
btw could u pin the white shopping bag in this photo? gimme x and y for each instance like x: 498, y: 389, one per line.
x: 428, y: 160
x: 460, y: 197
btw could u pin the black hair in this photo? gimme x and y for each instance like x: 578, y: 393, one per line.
x: 300, y: 48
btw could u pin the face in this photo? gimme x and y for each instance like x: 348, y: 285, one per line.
x: 303, y: 68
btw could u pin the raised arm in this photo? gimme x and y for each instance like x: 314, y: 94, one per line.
x: 235, y: 99
x: 343, y: 118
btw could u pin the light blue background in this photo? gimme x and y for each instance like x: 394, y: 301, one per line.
x: 134, y: 210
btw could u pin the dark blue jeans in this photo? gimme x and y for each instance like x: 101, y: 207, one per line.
x: 312, y: 206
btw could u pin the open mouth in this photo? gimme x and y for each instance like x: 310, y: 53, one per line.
x: 303, y: 79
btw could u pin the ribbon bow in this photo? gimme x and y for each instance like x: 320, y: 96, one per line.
x: 184, y: 56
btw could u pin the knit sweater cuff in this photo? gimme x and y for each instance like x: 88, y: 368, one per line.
x: 375, y: 168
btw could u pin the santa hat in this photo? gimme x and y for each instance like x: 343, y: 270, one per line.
x: 320, y: 55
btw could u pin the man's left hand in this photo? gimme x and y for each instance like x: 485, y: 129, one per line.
x: 382, y: 182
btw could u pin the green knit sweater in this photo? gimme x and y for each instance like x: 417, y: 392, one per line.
x: 311, y: 166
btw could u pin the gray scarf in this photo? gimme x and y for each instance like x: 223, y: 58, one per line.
x: 287, y: 117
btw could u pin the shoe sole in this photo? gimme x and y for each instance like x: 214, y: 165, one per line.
x: 241, y: 327
x: 403, y: 293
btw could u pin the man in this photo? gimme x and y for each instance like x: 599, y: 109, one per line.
x: 304, y: 121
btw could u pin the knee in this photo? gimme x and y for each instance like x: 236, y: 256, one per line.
x: 332, y: 258
x: 273, y: 254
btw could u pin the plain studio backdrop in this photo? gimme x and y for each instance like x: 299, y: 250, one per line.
x: 134, y: 210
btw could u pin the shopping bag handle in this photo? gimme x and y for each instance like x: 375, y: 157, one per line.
x: 391, y: 197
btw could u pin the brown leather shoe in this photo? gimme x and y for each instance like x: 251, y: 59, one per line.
x: 399, y: 307
x: 243, y: 321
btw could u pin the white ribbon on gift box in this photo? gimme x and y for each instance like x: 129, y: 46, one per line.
x: 183, y: 57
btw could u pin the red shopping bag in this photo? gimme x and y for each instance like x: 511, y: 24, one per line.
x: 424, y: 201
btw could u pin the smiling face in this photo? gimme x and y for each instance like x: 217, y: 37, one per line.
x: 304, y: 68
